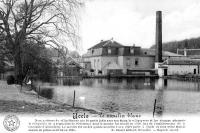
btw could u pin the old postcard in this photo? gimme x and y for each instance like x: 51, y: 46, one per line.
x: 99, y: 66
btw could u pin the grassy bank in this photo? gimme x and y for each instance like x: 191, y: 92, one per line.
x: 17, y: 100
x: 29, y: 108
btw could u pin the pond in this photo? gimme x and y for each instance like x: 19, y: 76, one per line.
x: 130, y: 95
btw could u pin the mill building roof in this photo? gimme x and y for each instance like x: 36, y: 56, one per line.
x: 152, y: 52
x: 186, y: 61
x: 107, y: 43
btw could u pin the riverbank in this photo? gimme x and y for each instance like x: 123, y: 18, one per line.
x: 183, y: 77
x: 15, y: 99
x: 122, y: 76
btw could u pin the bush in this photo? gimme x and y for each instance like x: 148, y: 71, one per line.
x: 10, y: 79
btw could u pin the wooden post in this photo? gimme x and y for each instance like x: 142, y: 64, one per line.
x: 74, y: 98
x: 154, y: 107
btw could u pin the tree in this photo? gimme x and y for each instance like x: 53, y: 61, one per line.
x: 22, y: 20
x: 35, y: 61
x: 192, y: 43
x: 74, y: 54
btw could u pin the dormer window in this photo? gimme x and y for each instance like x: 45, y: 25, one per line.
x: 132, y: 50
x: 109, y: 50
x: 128, y: 62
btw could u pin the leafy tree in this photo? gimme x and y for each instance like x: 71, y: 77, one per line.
x: 74, y: 54
x: 24, y: 20
x: 35, y: 59
x: 193, y: 43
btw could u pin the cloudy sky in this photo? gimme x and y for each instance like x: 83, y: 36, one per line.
x: 133, y: 21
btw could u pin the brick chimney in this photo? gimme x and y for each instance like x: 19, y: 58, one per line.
x: 158, y: 37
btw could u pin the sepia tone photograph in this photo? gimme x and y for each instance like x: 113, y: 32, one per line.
x: 94, y: 57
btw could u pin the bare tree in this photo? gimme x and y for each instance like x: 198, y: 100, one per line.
x: 21, y: 20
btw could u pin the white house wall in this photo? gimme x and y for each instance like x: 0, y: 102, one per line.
x: 144, y: 62
x: 100, y: 62
x: 160, y: 72
x: 95, y: 63
x: 121, y: 63
x: 107, y: 59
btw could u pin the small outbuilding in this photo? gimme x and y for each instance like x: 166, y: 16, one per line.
x: 179, y: 67
x: 71, y: 68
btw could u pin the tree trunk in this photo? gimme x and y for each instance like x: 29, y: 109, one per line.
x: 18, y: 64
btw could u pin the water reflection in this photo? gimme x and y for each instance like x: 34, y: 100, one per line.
x: 159, y: 106
x: 133, y: 94
x: 174, y: 85
x: 165, y: 82
x: 46, y: 92
x: 68, y: 81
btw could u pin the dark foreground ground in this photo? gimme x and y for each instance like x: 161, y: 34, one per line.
x: 16, y: 100
x: 25, y: 107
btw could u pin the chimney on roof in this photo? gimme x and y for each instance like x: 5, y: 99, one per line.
x: 158, y: 36
x: 101, y: 40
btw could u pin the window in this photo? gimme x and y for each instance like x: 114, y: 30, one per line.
x: 132, y: 50
x: 98, y: 62
x: 128, y: 62
x: 92, y: 51
x: 109, y: 51
x: 94, y: 62
x: 194, y: 71
x: 99, y: 72
x: 136, y: 62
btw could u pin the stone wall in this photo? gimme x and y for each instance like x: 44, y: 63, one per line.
x: 181, y: 69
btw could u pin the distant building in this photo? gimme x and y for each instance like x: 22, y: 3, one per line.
x: 68, y: 72
x: 66, y: 67
x: 183, y: 66
x: 111, y: 57
x: 71, y: 68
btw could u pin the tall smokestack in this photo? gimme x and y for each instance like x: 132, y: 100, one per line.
x: 158, y: 36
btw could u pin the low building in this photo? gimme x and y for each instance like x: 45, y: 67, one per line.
x: 71, y: 68
x: 67, y: 67
x: 67, y: 71
x: 179, y: 67
x: 111, y: 57
x: 85, y: 66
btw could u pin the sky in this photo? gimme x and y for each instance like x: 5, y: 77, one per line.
x: 133, y: 21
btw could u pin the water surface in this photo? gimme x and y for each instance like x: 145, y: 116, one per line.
x: 130, y: 95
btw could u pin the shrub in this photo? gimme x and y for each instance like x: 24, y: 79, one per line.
x: 10, y: 79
